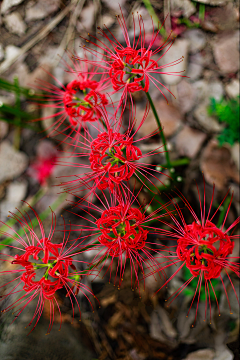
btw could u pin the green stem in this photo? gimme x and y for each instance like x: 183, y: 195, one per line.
x: 176, y: 163
x: 169, y: 165
x: 223, y: 211
x: 154, y: 16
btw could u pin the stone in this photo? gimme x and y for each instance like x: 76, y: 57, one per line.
x: 41, y: 9
x: 206, y: 121
x: 186, y: 96
x: 11, y: 52
x: 1, y: 52
x: 235, y: 151
x: 194, y: 71
x: 12, y: 162
x: 114, y: 5
x: 170, y: 118
x: 15, y: 24
x: 232, y: 89
x: 7, y: 4
x: 203, y: 354
x: 189, y: 142
x: 3, y: 129
x: 197, y: 40
x: 87, y: 16
x: 214, y: 2
x: 16, y: 192
x: 217, y: 165
x: 177, y: 51
x: 223, y: 354
x: 185, y: 6
x: 226, y: 53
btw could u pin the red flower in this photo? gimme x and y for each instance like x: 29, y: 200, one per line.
x: 132, y: 66
x: 42, y: 268
x: 122, y: 230
x: 203, y: 248
x: 114, y: 158
x: 78, y: 102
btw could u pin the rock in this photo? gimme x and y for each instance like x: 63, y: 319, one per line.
x: 16, y: 192
x: 203, y: 354
x: 7, y: 4
x: 197, y: 40
x: 178, y: 50
x: 189, y: 142
x: 217, y: 165
x: 11, y: 161
x: 226, y: 53
x: 108, y: 20
x: 114, y: 5
x: 21, y: 72
x: 232, y: 89
x: 194, y: 71
x: 11, y: 52
x: 170, y: 118
x: 185, y: 6
x: 41, y: 9
x: 3, y: 129
x: 214, y: 2
x: 1, y: 52
x: 186, y: 96
x: 87, y: 16
x: 215, y: 89
x: 207, y: 122
x: 14, y: 23
x: 235, y: 151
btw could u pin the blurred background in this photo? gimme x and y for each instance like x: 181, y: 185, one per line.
x: 201, y: 126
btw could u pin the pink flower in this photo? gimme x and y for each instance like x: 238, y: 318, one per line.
x: 40, y: 268
x: 131, y: 66
x: 203, y: 248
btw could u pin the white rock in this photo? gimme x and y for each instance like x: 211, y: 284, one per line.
x: 204, y: 354
x: 87, y: 16
x: 12, y: 162
x: 186, y: 6
x: 194, y: 71
x: 214, y: 2
x: 206, y: 121
x: 177, y: 51
x: 15, y: 24
x: 114, y: 5
x: 1, y: 52
x: 235, y: 151
x: 196, y: 38
x: 186, y: 96
x: 3, y: 129
x: 232, y: 89
x: 16, y: 192
x: 7, y: 4
x: 12, y: 51
x: 41, y: 9
x: 215, y: 89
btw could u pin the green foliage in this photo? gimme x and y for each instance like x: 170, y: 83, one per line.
x: 191, y: 288
x: 227, y: 111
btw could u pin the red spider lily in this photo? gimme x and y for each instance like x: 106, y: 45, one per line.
x: 114, y: 158
x: 76, y: 103
x: 123, y: 232
x: 203, y: 248
x: 132, y: 66
x: 40, y: 268
x: 42, y: 168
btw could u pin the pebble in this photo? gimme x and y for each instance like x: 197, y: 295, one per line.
x: 189, y: 142
x: 177, y: 51
x: 185, y: 6
x: 1, y: 52
x: 11, y: 51
x: 16, y: 192
x: 197, y: 40
x: 114, y: 5
x: 232, y: 89
x: 235, y: 151
x: 7, y: 4
x: 12, y: 161
x: 203, y: 354
x: 3, y: 129
x: 87, y: 16
x: 15, y: 24
x: 213, y: 2
x: 194, y: 71
x: 226, y: 53
x: 206, y: 121
x: 186, y: 96
x: 41, y: 9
